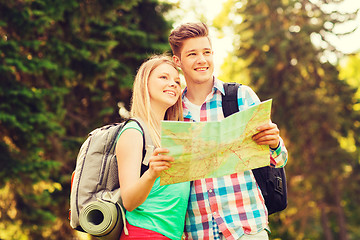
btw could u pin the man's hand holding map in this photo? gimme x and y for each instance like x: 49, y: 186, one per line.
x: 215, y: 149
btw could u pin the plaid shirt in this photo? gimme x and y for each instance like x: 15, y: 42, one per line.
x: 234, y: 203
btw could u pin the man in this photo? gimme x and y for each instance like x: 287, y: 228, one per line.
x: 229, y: 207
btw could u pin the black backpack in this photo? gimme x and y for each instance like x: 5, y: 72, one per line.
x: 272, y: 181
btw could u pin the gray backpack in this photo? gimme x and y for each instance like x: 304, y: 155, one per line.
x: 95, y: 203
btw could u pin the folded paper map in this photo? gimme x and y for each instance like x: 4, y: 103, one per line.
x: 215, y: 149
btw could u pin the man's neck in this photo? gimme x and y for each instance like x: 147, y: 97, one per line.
x: 197, y: 93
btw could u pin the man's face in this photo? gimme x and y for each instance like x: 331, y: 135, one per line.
x: 196, y: 60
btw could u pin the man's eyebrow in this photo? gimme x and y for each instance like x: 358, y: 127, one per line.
x: 194, y: 50
x: 191, y: 50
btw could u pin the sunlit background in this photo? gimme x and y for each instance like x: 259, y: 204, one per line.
x: 67, y: 66
x: 207, y: 10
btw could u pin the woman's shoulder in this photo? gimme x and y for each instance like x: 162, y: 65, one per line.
x: 130, y: 125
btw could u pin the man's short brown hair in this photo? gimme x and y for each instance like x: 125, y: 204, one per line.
x: 184, y: 32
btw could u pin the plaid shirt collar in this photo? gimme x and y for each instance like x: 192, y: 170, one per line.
x: 218, y: 88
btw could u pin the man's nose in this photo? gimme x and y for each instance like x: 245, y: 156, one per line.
x: 201, y: 58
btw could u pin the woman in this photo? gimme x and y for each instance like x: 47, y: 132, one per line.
x: 153, y: 211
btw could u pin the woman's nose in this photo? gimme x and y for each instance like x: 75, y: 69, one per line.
x: 172, y: 83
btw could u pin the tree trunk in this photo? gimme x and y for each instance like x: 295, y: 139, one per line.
x: 340, y: 214
x: 325, y: 224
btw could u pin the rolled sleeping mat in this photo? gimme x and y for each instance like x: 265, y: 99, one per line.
x: 102, y: 219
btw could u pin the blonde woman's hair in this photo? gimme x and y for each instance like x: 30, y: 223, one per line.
x: 140, y: 106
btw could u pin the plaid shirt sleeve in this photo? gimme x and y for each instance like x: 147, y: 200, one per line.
x: 279, y: 156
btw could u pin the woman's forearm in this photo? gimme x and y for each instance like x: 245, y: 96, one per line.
x: 135, y: 194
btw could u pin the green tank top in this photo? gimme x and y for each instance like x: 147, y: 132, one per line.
x: 164, y: 209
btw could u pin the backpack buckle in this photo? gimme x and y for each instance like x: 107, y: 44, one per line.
x: 279, y: 185
x: 149, y: 149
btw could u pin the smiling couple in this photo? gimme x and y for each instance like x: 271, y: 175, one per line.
x: 229, y: 207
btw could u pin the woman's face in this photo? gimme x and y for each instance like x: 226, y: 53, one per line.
x: 164, y: 85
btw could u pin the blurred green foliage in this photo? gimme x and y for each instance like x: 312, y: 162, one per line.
x: 64, y: 66
x: 314, y: 108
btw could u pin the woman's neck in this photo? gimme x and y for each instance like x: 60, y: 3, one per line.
x: 158, y: 113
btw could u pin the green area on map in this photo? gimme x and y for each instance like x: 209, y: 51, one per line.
x: 215, y: 149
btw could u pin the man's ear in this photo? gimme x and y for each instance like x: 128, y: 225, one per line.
x: 176, y: 60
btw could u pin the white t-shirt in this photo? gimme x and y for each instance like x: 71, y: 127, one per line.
x: 194, y: 109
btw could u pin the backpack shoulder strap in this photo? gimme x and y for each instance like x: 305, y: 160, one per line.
x: 148, y: 145
x: 229, y: 100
